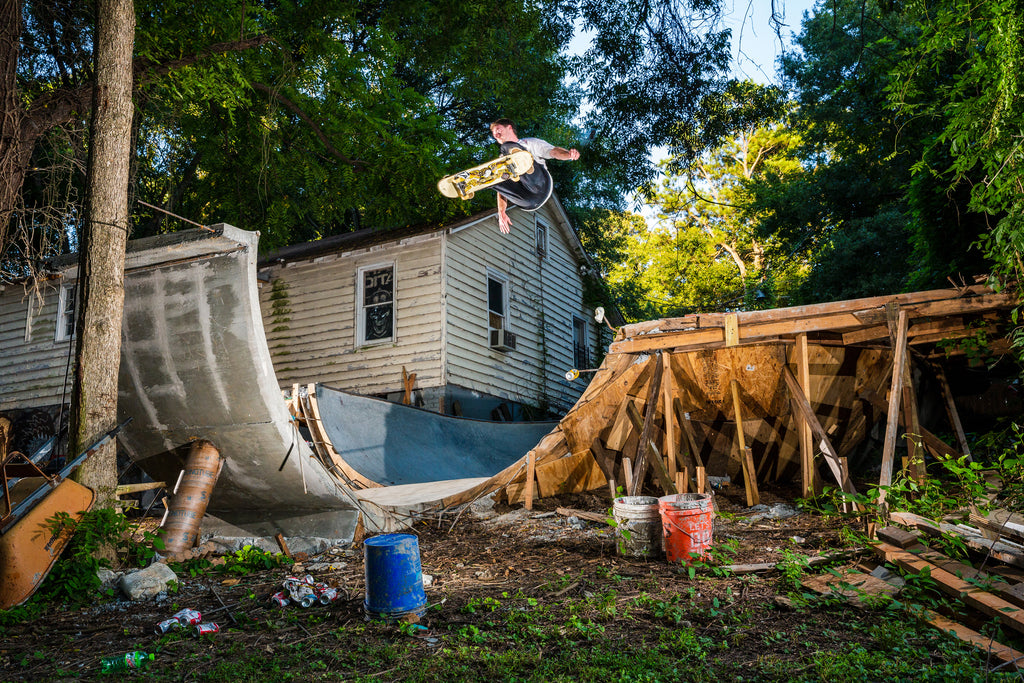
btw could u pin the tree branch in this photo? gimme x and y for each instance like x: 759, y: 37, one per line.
x: 295, y: 109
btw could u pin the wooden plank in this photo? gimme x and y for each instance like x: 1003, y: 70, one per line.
x: 750, y: 475
x: 809, y: 418
x: 858, y: 588
x: 1008, y: 614
x: 531, y: 470
x: 901, y: 538
x: 1003, y: 522
x: 732, y: 331
x: 1004, y: 552
x: 573, y: 474
x: 605, y: 459
x: 1012, y: 658
x: 583, y: 514
x: 124, y: 489
x: 746, y: 458
x: 915, y: 453
x: 951, y: 411
x: 806, y: 445
x: 892, y: 417
x: 310, y: 409
x: 659, y: 466
x: 867, y: 334
x: 936, y: 445
x: 671, y: 438
x: 642, y: 461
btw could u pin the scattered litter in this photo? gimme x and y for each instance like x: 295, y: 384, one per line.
x: 126, y: 662
x: 799, y: 540
x: 304, y: 592
x: 206, y: 629
x: 185, y: 617
x: 428, y: 580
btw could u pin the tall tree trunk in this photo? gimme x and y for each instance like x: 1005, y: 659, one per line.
x: 102, y: 246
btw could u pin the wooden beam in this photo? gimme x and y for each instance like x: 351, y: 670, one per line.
x: 892, y: 418
x: 746, y: 458
x: 802, y: 363
x: 671, y: 438
x: 642, y: 461
x: 667, y: 484
x: 936, y: 445
x: 807, y: 416
x: 1007, y: 613
x: 531, y: 468
x: 951, y: 411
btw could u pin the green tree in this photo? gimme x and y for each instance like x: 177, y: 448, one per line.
x: 962, y: 78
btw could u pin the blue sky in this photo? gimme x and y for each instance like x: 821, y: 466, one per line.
x: 755, y: 43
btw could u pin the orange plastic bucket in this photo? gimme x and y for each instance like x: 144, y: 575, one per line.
x: 687, y: 520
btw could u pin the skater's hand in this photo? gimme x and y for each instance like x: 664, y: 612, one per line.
x: 504, y: 222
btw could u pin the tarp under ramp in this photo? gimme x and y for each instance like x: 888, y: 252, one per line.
x: 392, y: 444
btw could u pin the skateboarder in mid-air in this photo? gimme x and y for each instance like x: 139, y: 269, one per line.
x: 532, y: 189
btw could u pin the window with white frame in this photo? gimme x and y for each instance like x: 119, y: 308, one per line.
x: 497, y: 301
x: 66, y: 309
x: 580, y: 345
x: 375, y: 298
x: 541, y: 237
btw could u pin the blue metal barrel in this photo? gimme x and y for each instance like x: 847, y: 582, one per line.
x: 394, y: 577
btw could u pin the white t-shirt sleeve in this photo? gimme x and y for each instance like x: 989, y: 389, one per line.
x: 540, y: 149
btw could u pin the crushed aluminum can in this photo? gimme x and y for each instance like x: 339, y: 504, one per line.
x: 280, y: 599
x: 188, y: 617
x: 167, y: 625
x: 328, y: 595
x: 207, y: 628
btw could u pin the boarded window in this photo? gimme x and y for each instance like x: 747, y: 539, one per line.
x: 376, y: 304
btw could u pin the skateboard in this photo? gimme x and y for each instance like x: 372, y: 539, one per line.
x: 506, y: 167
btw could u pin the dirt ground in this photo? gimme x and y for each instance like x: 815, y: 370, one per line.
x: 481, y: 555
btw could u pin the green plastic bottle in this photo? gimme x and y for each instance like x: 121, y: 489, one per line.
x: 126, y: 662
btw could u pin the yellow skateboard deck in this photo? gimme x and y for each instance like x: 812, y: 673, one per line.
x: 506, y: 167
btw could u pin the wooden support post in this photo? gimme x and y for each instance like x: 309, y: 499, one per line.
x: 659, y: 466
x: 805, y: 413
x: 892, y: 418
x: 408, y: 380
x: 806, y: 445
x: 642, y: 461
x: 951, y: 411
x: 531, y: 468
x: 746, y: 458
x: 627, y: 474
x: 671, y: 437
x: 702, y: 479
x: 915, y: 452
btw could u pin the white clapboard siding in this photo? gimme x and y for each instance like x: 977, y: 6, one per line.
x: 313, y: 340
x: 33, y: 367
x: 544, y: 294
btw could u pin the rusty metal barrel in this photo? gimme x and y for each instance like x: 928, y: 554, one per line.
x: 191, y: 496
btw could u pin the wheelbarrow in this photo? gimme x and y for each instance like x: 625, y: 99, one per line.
x: 29, y: 543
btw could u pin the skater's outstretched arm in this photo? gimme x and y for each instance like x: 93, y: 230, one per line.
x: 504, y: 222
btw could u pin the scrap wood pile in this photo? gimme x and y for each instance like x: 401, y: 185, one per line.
x: 804, y: 384
x: 989, y: 591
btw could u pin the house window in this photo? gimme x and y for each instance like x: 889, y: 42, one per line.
x: 580, y: 347
x: 497, y: 301
x: 66, y: 311
x: 376, y: 304
x: 542, y: 238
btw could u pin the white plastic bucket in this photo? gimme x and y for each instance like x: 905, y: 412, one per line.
x: 638, y: 527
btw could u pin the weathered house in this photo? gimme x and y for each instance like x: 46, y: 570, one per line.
x: 488, y: 323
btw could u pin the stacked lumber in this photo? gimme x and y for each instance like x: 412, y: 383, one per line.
x: 761, y: 396
x: 989, y: 594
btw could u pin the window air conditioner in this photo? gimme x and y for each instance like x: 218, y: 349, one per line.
x: 503, y: 340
